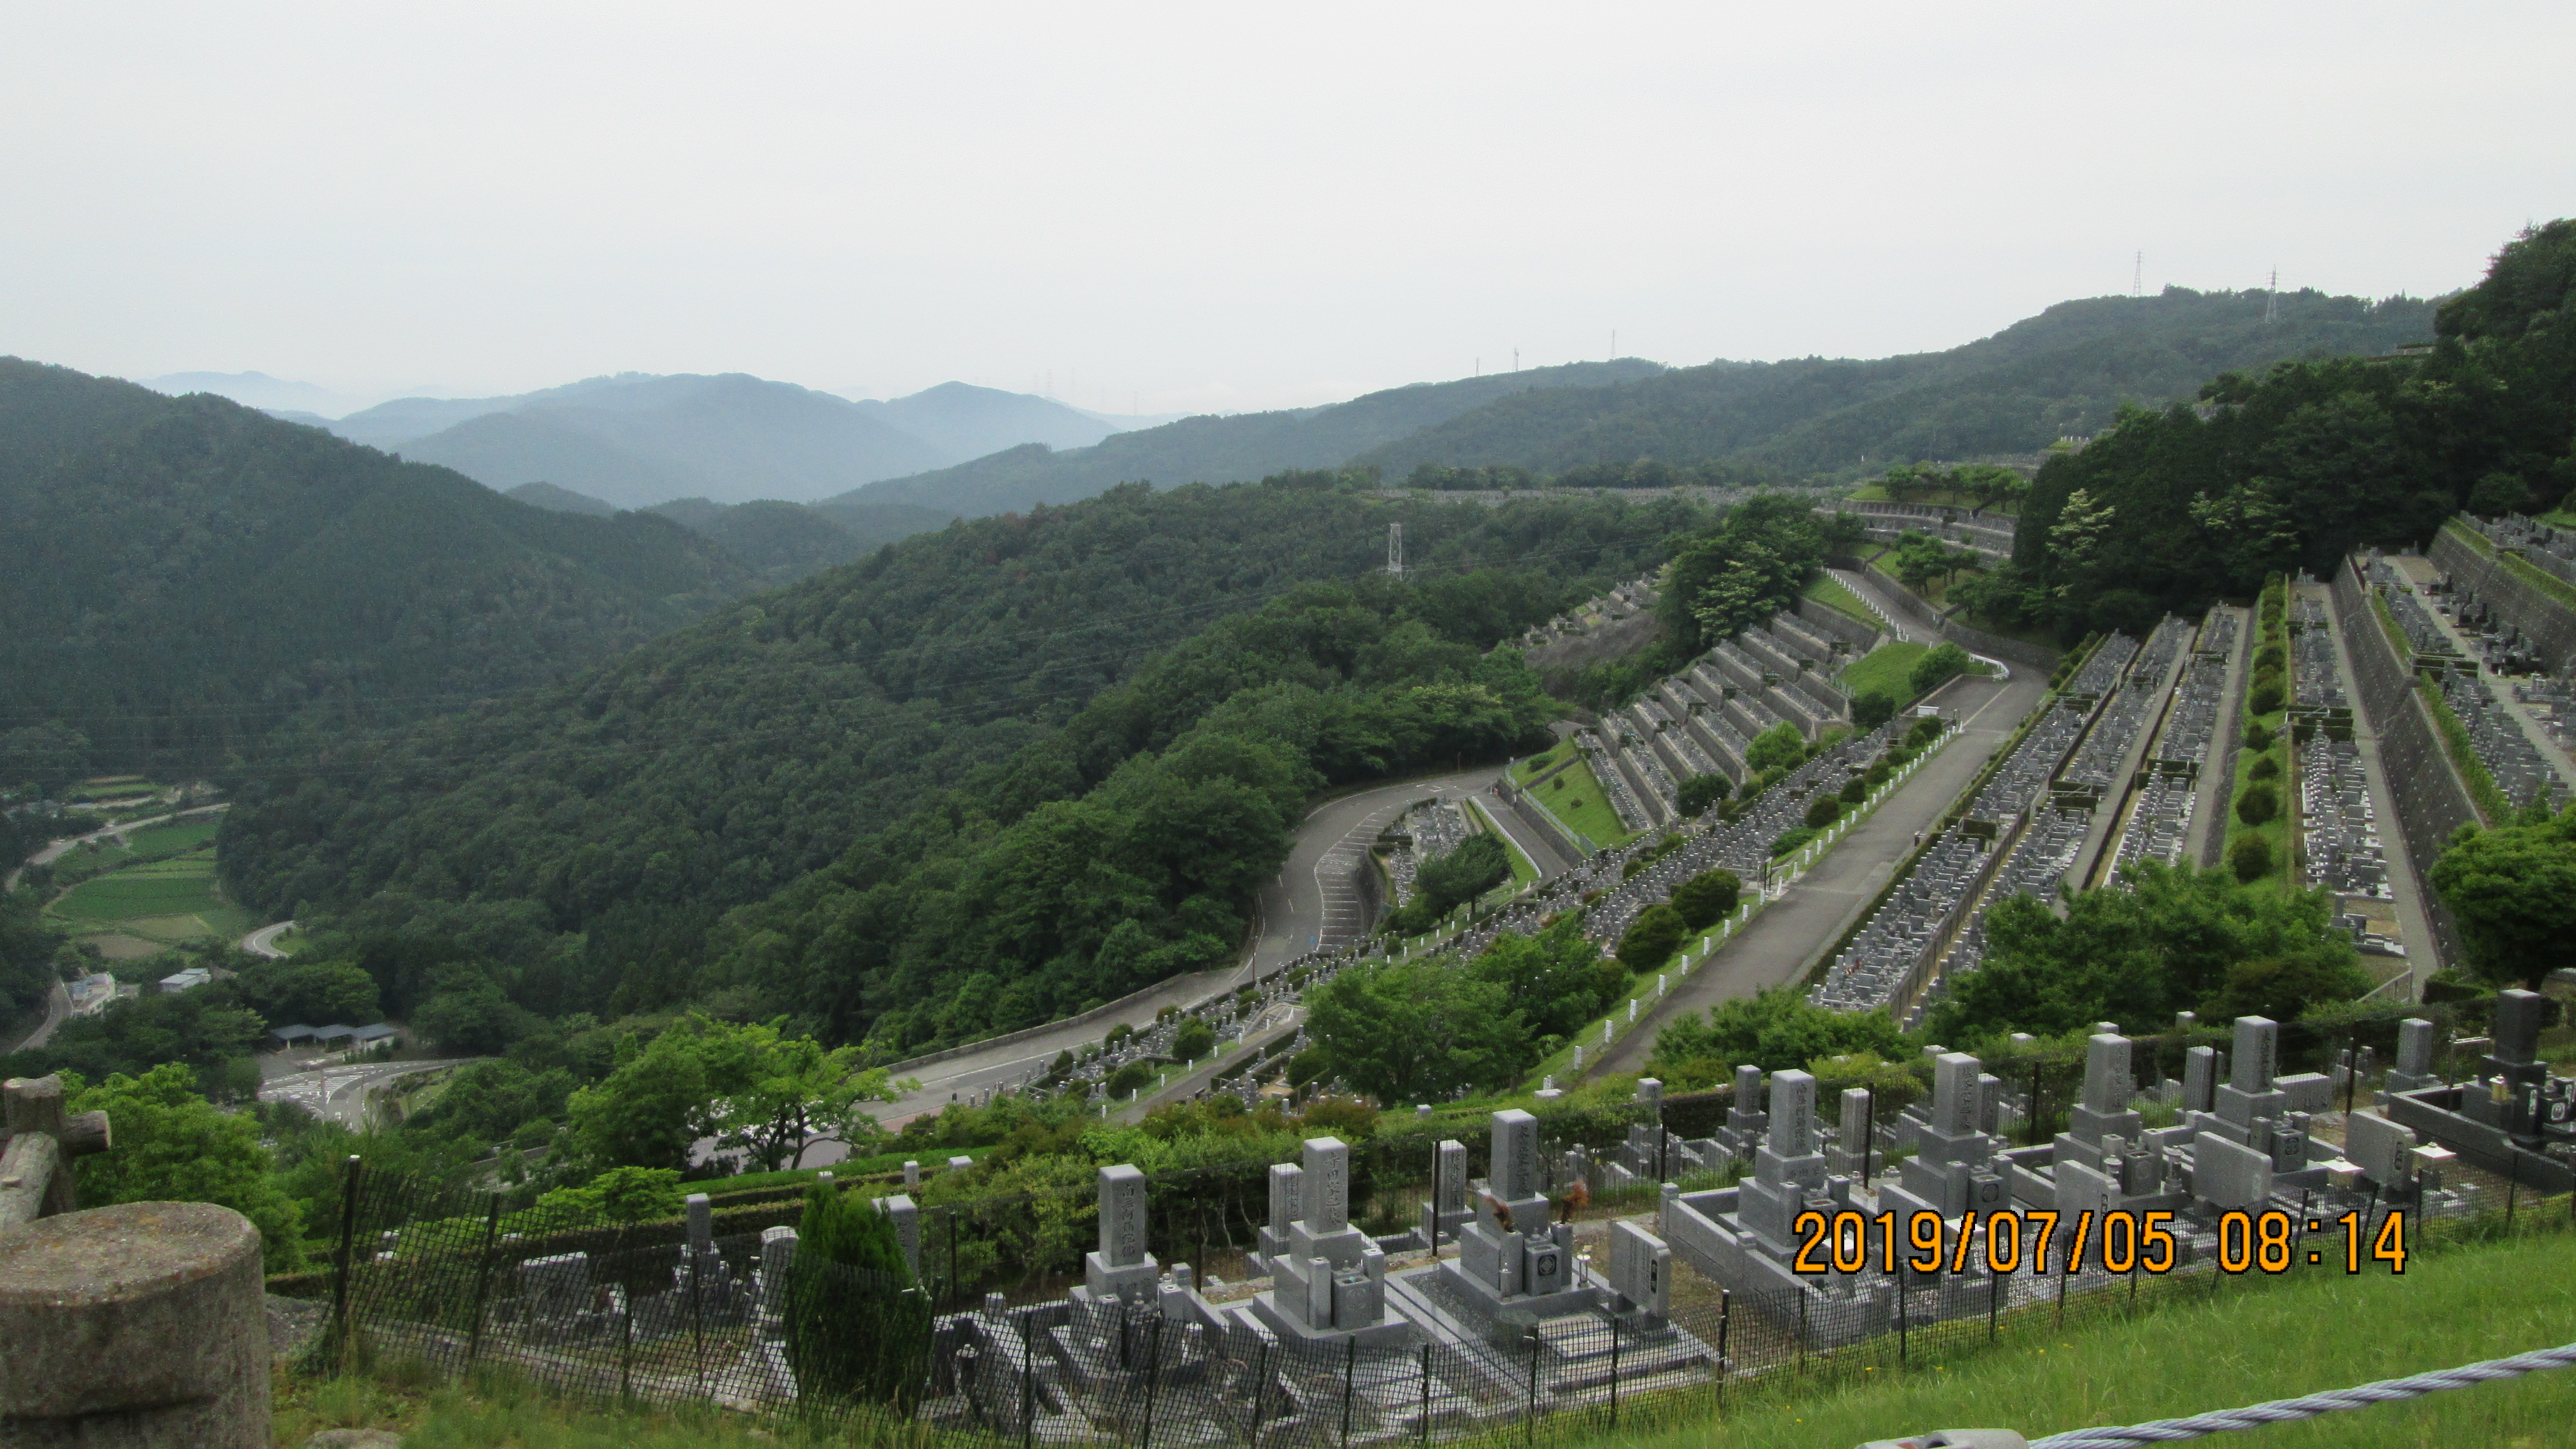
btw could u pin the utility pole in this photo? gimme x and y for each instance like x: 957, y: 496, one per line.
x: 2138, y: 277
x: 1395, y: 550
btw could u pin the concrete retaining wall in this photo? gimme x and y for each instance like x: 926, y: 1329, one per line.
x: 2431, y: 801
x: 2550, y: 625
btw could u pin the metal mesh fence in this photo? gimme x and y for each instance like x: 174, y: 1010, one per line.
x: 1003, y: 1349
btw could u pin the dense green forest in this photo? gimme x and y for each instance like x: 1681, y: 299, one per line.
x: 2066, y: 371
x: 901, y: 722
x: 1227, y: 449
x: 2290, y: 468
x: 180, y: 574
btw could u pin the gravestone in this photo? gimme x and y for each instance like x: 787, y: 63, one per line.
x: 2414, y: 1069
x: 1120, y: 1267
x: 1329, y: 1279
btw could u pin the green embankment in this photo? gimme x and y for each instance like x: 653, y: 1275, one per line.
x: 1829, y: 591
x: 1885, y: 670
x: 1575, y: 797
x: 2251, y: 1344
x: 1523, y: 871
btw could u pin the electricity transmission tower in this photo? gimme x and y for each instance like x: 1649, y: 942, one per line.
x: 2138, y: 277
x: 2272, y: 298
x: 1395, y: 549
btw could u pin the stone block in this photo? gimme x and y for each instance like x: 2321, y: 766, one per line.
x: 2230, y: 1176
x: 1792, y: 1108
x: 1514, y: 1170
x: 1327, y: 1190
x: 139, y: 1324
x: 2255, y: 1054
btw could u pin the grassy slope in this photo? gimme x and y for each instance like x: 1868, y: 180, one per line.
x: 2318, y: 1333
x: 1827, y: 590
x: 1578, y: 802
x: 1885, y: 669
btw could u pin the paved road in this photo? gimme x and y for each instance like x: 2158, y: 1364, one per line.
x: 58, y: 1009
x: 1785, y: 939
x: 337, y: 1092
x: 1311, y: 901
x: 263, y: 942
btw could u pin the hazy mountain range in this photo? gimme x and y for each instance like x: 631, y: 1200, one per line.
x: 880, y: 470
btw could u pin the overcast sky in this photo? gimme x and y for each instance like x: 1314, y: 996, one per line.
x: 1214, y: 207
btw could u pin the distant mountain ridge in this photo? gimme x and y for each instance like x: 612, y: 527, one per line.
x: 635, y: 440
x: 181, y: 575
x: 1232, y: 449
x: 2066, y: 371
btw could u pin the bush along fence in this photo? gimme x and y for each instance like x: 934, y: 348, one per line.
x: 1560, y: 1275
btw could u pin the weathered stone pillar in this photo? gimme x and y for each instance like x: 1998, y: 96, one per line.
x: 134, y: 1326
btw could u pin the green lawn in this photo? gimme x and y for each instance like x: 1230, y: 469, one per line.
x: 1884, y: 669
x: 2253, y: 1343
x: 1938, y: 498
x: 1829, y: 591
x: 1575, y: 797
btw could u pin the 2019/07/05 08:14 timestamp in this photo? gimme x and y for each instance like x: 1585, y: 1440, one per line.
x: 2118, y: 1241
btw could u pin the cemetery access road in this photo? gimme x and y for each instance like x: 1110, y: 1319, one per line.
x: 1786, y: 938
x: 1312, y: 904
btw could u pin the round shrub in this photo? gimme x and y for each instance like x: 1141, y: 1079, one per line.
x: 2258, y: 736
x: 1707, y: 898
x: 2250, y: 857
x: 1855, y: 790
x: 1824, y: 810
x: 2266, y: 697
x: 2264, y: 768
x: 2258, y: 804
x: 1652, y: 938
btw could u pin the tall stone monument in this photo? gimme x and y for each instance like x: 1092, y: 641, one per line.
x: 1329, y: 1278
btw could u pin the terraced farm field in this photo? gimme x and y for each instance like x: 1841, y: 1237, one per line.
x: 140, y: 908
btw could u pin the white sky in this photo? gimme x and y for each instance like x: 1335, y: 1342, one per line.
x: 1206, y: 207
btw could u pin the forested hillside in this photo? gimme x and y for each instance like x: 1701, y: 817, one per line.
x: 2289, y: 468
x: 2066, y: 371
x: 178, y: 574
x: 1228, y: 449
x: 907, y: 712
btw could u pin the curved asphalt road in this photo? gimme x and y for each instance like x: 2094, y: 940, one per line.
x: 1313, y: 903
x: 263, y: 942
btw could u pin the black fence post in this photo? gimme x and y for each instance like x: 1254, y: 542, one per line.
x: 952, y: 1256
x: 2034, y: 1104
x: 1425, y: 1425
x: 2512, y: 1182
x: 1725, y: 1320
x: 352, y: 1179
x: 2351, y: 1070
x: 626, y: 1359
x: 1028, y: 1386
x: 482, y: 1280
x: 1994, y: 1297
x: 1802, y: 1329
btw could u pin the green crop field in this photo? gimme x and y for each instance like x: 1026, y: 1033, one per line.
x: 163, y: 901
x: 1884, y: 670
